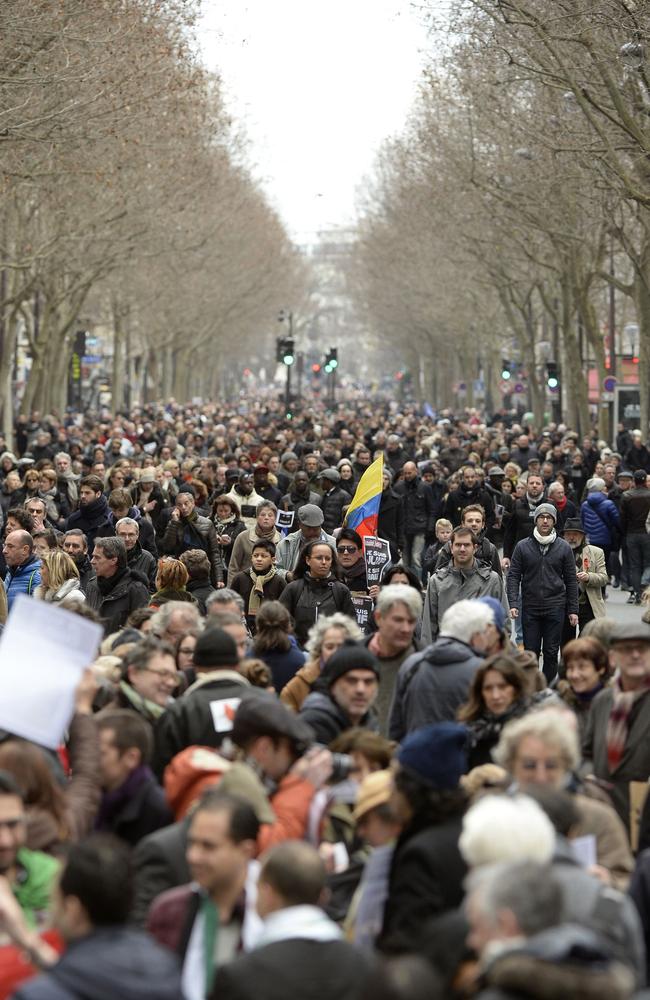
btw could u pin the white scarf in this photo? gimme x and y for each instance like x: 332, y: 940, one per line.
x: 544, y: 539
x: 298, y: 922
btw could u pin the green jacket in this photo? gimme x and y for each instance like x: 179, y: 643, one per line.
x: 33, y: 887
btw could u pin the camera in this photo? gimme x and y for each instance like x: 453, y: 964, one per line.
x: 342, y: 765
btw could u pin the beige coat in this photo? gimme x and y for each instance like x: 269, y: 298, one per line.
x: 593, y: 562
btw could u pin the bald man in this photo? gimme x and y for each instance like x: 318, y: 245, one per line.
x: 23, y: 567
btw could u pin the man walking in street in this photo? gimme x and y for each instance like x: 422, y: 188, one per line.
x: 419, y: 515
x: 544, y: 566
x: 462, y: 579
x: 635, y: 507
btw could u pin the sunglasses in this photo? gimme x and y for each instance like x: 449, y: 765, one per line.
x: 346, y: 548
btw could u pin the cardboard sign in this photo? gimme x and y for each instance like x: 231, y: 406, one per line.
x: 284, y: 521
x: 363, y: 609
x: 377, y: 555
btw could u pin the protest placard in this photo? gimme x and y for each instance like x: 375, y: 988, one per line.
x: 43, y: 653
x: 363, y: 609
x: 377, y: 556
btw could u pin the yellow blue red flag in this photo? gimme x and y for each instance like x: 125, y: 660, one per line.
x: 363, y: 512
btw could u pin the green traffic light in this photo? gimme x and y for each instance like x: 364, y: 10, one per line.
x: 552, y: 382
x: 333, y: 364
x: 505, y: 374
x: 328, y: 367
x: 288, y: 359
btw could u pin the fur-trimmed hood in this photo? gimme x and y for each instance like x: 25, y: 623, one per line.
x: 566, y: 961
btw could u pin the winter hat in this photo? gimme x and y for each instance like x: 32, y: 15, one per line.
x: 436, y: 754
x: 596, y: 485
x: 215, y: 648
x: 496, y: 470
x: 147, y: 476
x: 497, y: 610
x: 546, y: 508
x: 8, y: 454
x: 187, y: 488
x: 350, y: 656
x: 388, y: 473
x: 640, y: 476
x: 287, y: 455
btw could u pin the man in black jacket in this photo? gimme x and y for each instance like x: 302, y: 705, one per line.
x: 300, y: 951
x: 345, y: 694
x: 133, y: 804
x: 419, y: 515
x: 93, y: 510
x: 138, y: 559
x: 189, y: 530
x: 203, y: 715
x: 300, y: 494
x: 469, y: 492
x: 122, y: 589
x: 634, y: 510
x: 76, y: 546
x: 333, y: 501
x: 544, y: 566
x: 520, y: 523
x: 390, y: 524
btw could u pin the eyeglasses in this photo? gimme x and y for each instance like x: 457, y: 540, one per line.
x: 172, y: 676
x: 187, y: 650
x: 346, y: 548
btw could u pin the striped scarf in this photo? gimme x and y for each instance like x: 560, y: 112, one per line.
x: 619, y: 721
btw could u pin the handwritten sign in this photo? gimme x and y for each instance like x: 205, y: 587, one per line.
x: 377, y: 555
x: 363, y: 609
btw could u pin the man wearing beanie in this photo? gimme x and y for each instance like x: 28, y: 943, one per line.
x: 344, y: 694
x: 427, y: 869
x: 545, y: 568
x: 203, y: 715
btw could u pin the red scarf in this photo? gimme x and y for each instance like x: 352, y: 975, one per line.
x: 619, y: 721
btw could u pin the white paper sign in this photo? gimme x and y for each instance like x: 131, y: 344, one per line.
x: 43, y: 653
x: 584, y: 850
x: 223, y: 713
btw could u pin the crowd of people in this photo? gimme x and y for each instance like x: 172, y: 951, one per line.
x: 285, y: 777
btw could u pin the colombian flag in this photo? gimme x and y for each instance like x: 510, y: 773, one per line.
x: 363, y: 512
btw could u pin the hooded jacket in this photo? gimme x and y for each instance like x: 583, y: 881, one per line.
x: 600, y: 520
x: 432, y: 685
x: 109, y: 962
x: 23, y: 579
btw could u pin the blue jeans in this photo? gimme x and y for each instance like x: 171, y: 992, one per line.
x: 543, y: 630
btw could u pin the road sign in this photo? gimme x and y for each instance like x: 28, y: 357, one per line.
x: 609, y: 383
x: 519, y: 387
x: 607, y: 397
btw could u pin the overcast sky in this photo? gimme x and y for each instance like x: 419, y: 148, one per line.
x: 317, y: 84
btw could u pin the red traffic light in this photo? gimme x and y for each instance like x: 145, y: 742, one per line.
x: 315, y: 368
x: 399, y: 375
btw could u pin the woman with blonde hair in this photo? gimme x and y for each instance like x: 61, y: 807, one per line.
x: 171, y: 580
x: 59, y: 578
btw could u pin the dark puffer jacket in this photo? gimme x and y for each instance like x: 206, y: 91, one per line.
x: 197, y: 532
x: 419, y: 506
x: 332, y: 504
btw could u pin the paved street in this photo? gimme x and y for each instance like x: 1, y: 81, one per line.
x: 619, y: 610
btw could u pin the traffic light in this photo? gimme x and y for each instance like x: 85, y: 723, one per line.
x: 552, y: 375
x: 316, y: 368
x: 505, y: 369
x: 331, y: 360
x: 288, y: 351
